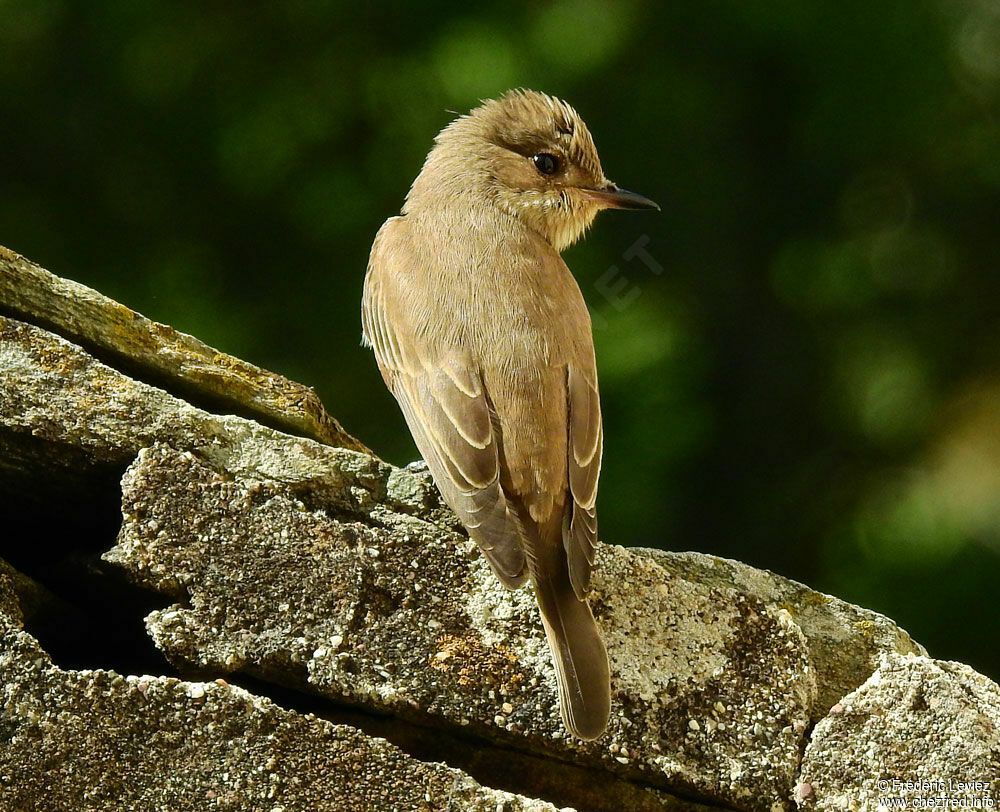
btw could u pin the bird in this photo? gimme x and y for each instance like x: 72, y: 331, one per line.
x: 482, y: 335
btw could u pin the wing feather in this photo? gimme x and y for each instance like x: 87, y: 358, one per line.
x: 586, y: 441
x: 443, y: 400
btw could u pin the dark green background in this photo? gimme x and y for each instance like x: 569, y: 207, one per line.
x: 812, y: 384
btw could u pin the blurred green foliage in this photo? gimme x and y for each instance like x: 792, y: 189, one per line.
x: 803, y: 373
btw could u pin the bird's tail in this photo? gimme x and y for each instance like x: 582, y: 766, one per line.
x: 578, y: 652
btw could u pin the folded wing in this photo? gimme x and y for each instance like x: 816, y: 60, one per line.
x: 441, y: 394
x: 586, y: 440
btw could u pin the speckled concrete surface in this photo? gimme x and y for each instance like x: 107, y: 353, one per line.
x: 96, y: 741
x: 919, y: 734
x: 158, y: 351
x: 846, y: 642
x: 60, y: 408
x: 712, y: 688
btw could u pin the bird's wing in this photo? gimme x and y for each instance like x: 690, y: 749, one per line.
x: 586, y: 441
x: 441, y: 394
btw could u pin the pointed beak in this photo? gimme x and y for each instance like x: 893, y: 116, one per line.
x: 613, y: 197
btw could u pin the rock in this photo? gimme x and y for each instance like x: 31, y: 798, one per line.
x: 161, y: 354
x: 846, y: 642
x: 390, y: 613
x: 67, y: 418
x: 919, y: 733
x: 22, y: 598
x: 96, y: 740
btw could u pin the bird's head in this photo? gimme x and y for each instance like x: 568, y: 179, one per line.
x: 531, y: 155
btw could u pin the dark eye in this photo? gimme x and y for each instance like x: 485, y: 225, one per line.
x: 546, y: 163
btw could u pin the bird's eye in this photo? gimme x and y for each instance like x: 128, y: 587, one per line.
x: 546, y: 163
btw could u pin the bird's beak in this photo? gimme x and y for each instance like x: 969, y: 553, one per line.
x: 613, y: 197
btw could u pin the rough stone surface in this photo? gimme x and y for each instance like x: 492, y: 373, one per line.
x: 396, y: 615
x: 174, y: 359
x: 21, y: 597
x: 84, y: 741
x: 64, y: 414
x: 919, y: 733
x: 846, y: 642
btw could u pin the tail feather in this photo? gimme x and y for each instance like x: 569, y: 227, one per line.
x: 578, y: 652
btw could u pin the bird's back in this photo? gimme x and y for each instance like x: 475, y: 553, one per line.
x: 516, y: 311
x: 487, y: 347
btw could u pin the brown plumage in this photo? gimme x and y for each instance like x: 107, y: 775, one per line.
x: 482, y: 335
